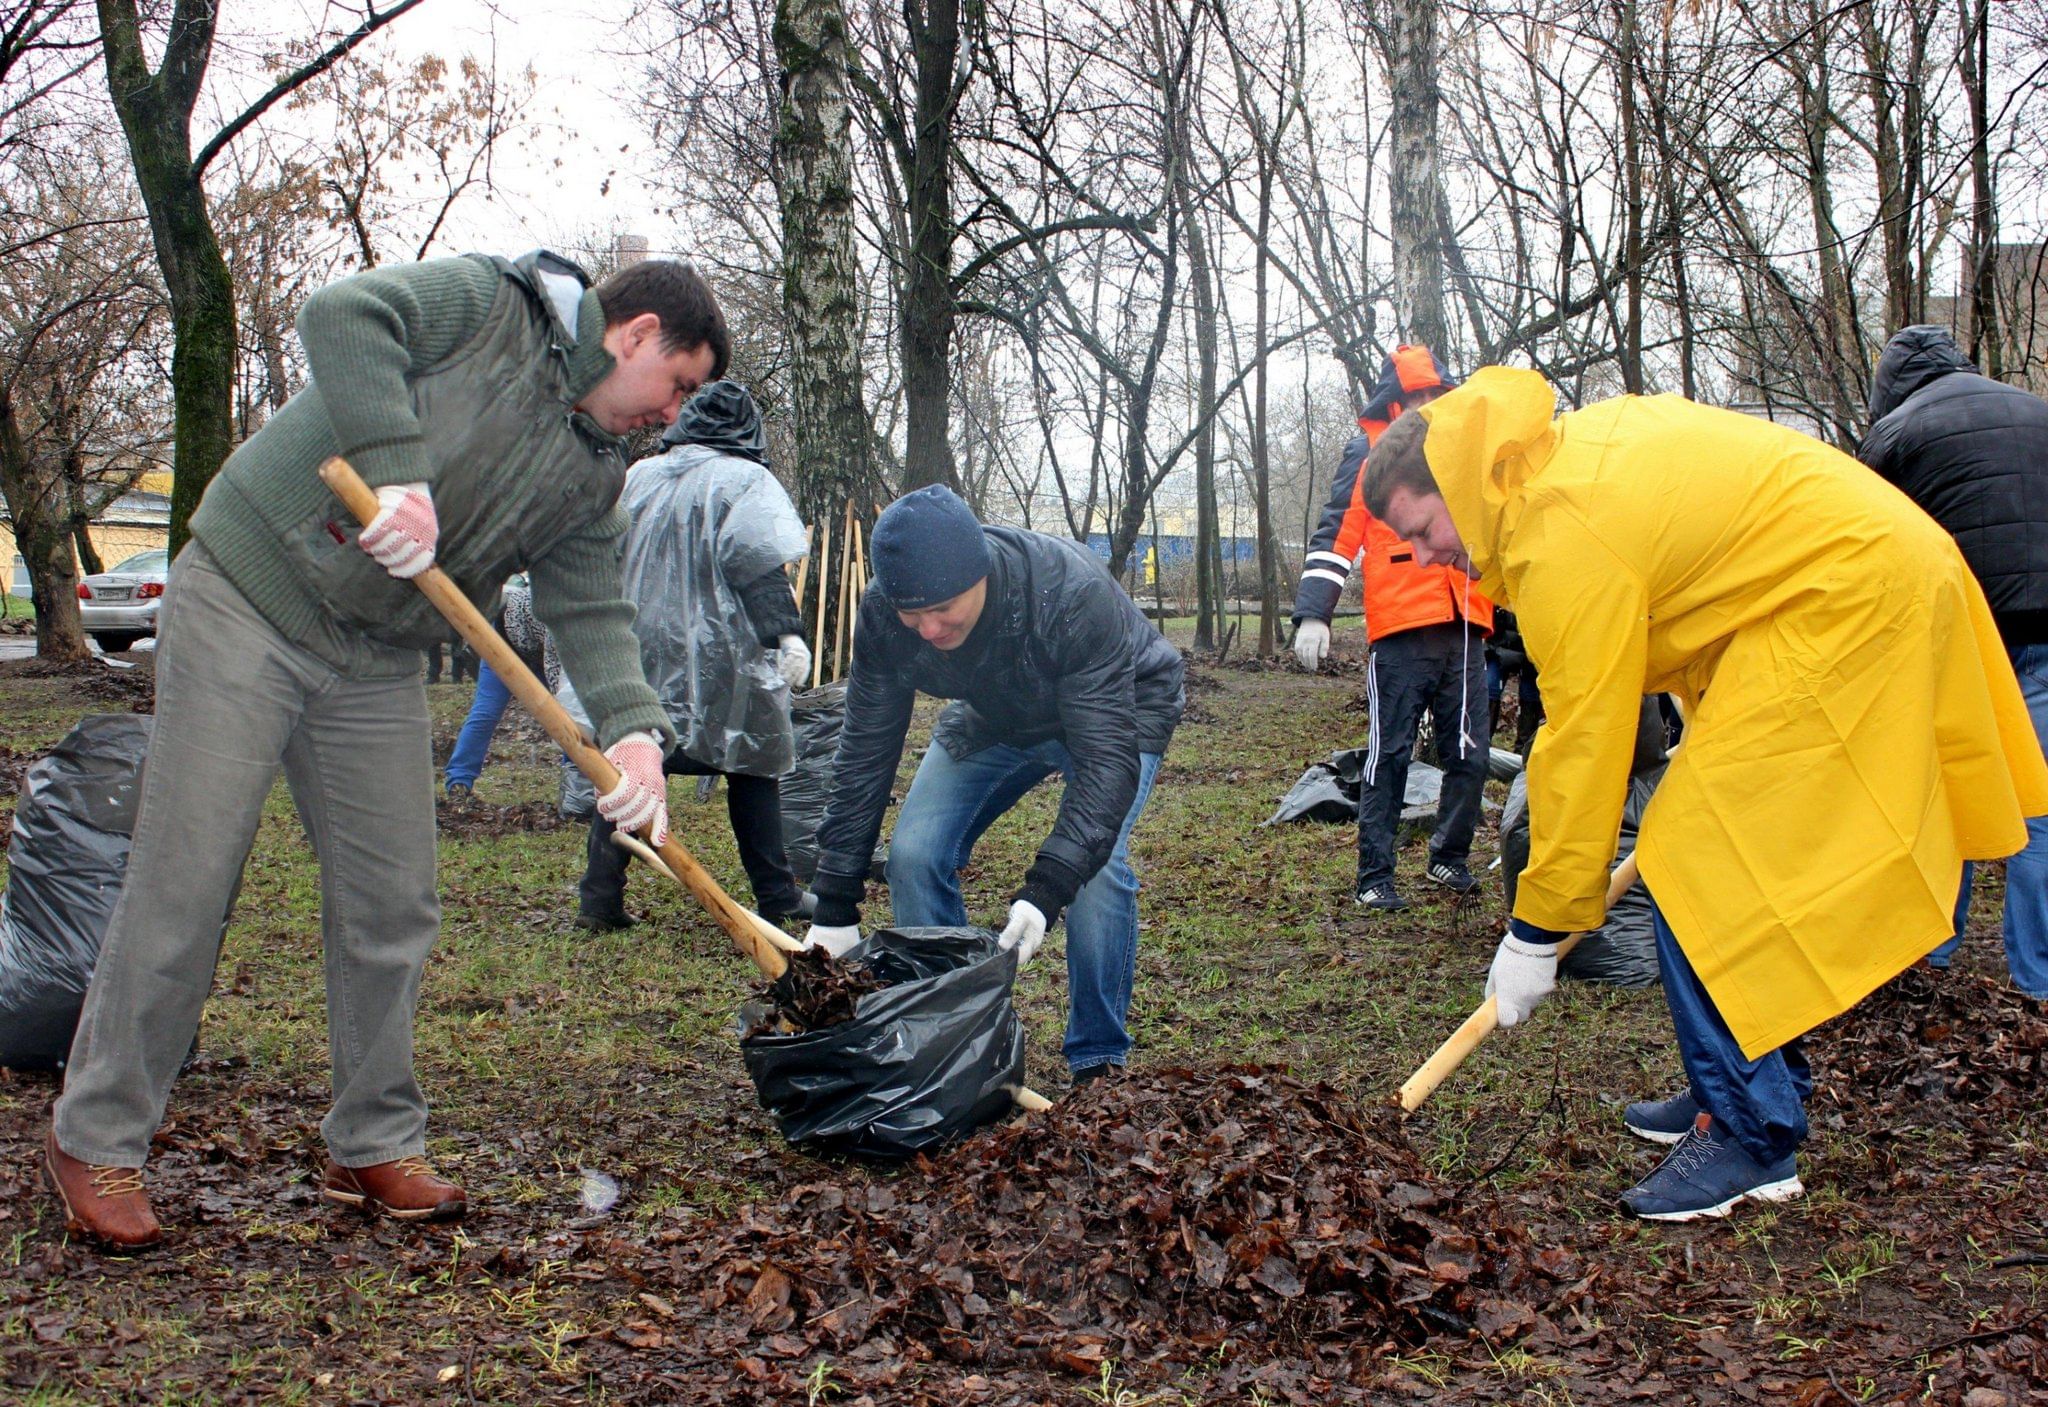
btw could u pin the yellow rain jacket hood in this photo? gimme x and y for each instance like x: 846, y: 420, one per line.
x: 1854, y: 728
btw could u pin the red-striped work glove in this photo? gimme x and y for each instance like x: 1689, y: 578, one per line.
x: 400, y: 539
x: 641, y: 797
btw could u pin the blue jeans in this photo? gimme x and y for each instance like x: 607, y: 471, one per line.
x: 2026, y: 874
x: 474, y: 741
x: 950, y: 804
x: 1761, y: 1103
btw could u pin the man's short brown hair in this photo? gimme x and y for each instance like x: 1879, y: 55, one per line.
x: 1398, y: 461
x: 677, y: 294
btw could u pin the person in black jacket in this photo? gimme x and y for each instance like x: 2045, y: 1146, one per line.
x: 1053, y: 669
x: 1973, y: 452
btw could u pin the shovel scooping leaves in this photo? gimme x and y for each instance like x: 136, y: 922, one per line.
x: 761, y: 943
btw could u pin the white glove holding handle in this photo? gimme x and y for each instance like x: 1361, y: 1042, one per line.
x: 1311, y: 643
x: 1522, y: 975
x: 401, y: 538
x: 793, y: 660
x: 641, y: 797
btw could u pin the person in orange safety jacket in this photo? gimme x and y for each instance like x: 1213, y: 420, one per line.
x: 1427, y: 627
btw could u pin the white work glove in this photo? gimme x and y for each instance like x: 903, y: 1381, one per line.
x: 400, y: 539
x: 1024, y: 932
x: 641, y: 797
x: 835, y: 941
x: 1522, y: 975
x: 1311, y: 643
x: 793, y: 660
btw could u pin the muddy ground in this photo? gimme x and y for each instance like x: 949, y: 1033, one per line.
x: 1242, y: 1220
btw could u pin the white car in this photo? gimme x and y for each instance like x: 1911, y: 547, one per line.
x: 119, y: 607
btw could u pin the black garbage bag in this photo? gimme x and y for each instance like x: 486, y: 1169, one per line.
x: 1318, y: 795
x: 67, y: 856
x: 1328, y: 791
x: 926, y: 1060
x: 818, y: 715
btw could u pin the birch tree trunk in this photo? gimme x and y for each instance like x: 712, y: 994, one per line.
x: 1407, y: 33
x: 836, y: 460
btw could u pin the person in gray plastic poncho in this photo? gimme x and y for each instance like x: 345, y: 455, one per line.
x: 719, y: 635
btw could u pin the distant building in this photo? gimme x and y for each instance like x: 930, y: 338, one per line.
x: 2020, y: 296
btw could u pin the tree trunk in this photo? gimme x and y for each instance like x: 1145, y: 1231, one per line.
x: 836, y: 460
x: 1408, y: 42
x: 1632, y: 205
x: 1895, y: 192
x: 928, y: 281
x: 1985, y: 349
x: 1208, y: 545
x: 41, y: 509
x: 156, y: 116
x: 1262, y: 469
x: 89, y: 563
x: 1842, y: 345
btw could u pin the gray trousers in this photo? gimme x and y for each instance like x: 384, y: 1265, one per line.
x: 235, y: 701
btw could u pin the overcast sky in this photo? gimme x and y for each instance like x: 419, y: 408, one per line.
x: 579, y: 167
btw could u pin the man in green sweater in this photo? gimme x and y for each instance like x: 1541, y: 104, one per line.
x: 484, y: 400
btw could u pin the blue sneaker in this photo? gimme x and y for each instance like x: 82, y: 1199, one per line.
x: 1705, y: 1175
x: 1662, y: 1120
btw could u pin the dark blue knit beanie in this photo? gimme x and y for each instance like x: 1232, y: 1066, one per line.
x: 928, y: 548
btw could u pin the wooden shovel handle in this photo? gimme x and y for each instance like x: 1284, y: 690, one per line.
x: 1480, y: 1024
x: 490, y: 646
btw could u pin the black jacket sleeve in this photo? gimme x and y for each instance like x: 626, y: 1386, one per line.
x: 1097, y: 699
x: 878, y: 706
x: 1336, y: 541
x: 770, y: 604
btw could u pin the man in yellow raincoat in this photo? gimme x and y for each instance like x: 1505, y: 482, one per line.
x: 1854, y: 730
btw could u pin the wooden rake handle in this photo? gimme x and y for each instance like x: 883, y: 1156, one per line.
x: 1480, y: 1024
x: 745, y: 928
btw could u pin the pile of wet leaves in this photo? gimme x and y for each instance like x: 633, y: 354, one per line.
x: 473, y: 819
x: 1934, y: 1048
x: 817, y: 991
x: 14, y: 765
x: 1233, y: 1221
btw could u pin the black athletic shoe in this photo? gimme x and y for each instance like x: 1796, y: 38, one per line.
x: 605, y: 923
x: 459, y: 792
x: 1452, y: 875
x: 1382, y: 896
x: 1108, y: 1070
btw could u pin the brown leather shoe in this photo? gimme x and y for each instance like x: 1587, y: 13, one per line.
x: 408, y: 1189
x: 104, y: 1205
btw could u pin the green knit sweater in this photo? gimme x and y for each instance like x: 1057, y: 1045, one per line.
x: 365, y: 338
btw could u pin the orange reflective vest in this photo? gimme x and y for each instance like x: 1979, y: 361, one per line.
x: 1399, y: 595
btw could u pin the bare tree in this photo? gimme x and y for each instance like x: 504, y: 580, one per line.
x: 81, y: 322
x: 1406, y: 31
x: 155, y: 107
